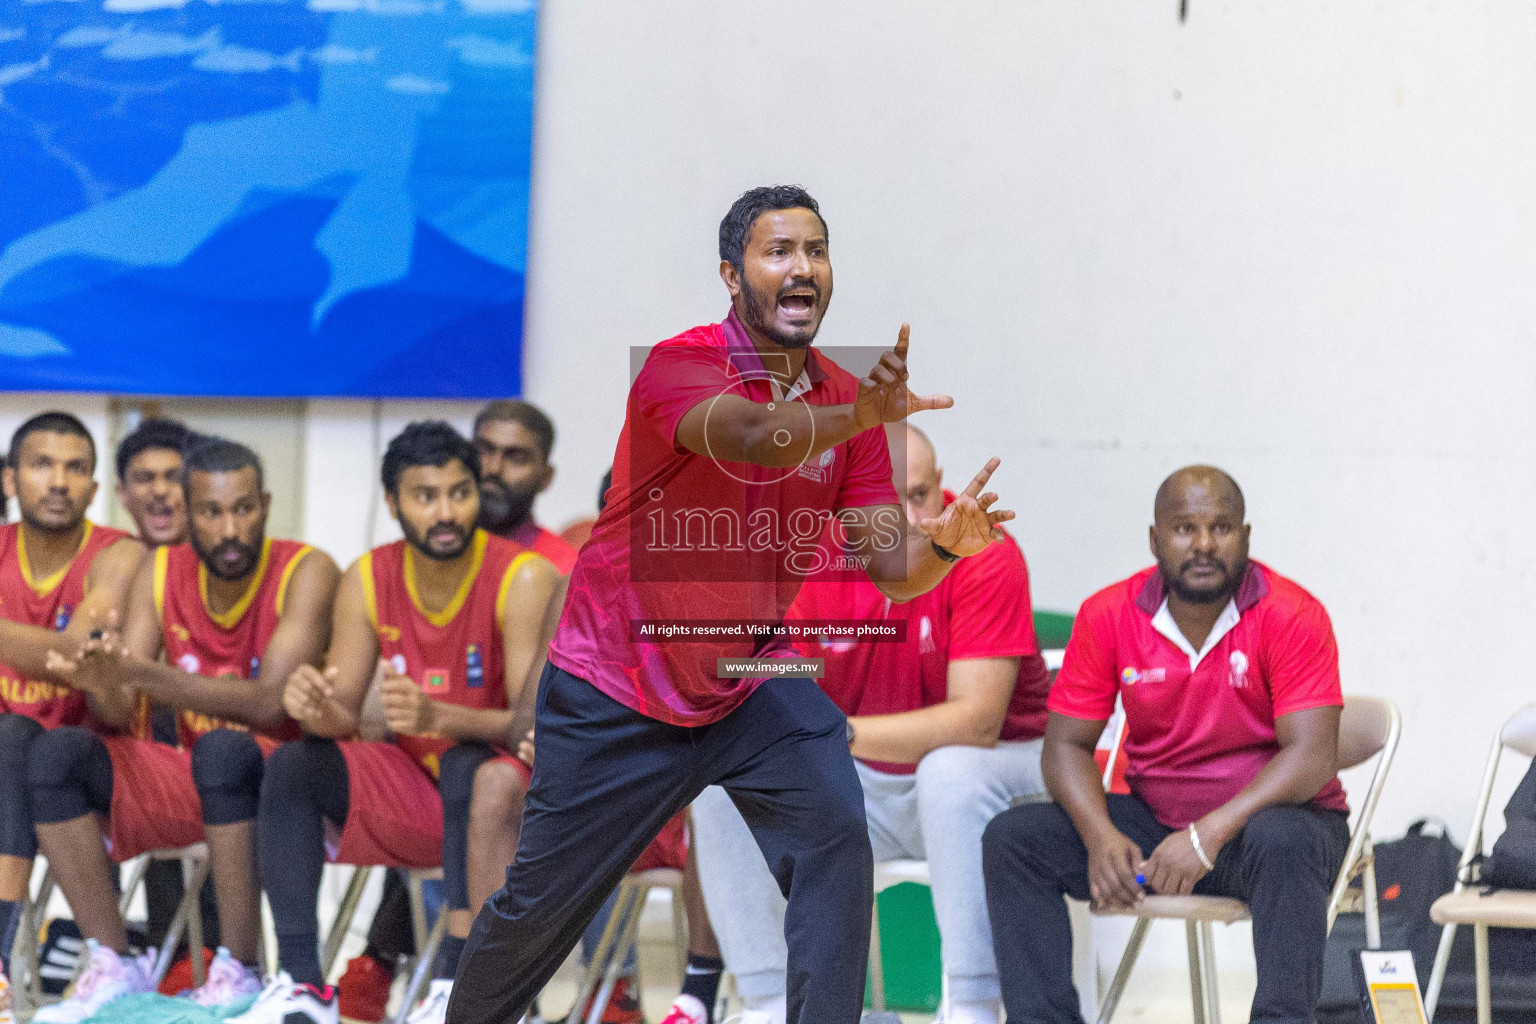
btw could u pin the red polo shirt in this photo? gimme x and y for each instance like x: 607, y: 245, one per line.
x: 689, y: 537
x: 1200, y: 728
x: 980, y: 610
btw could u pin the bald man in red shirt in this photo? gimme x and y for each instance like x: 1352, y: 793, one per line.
x: 1229, y: 676
x: 945, y: 726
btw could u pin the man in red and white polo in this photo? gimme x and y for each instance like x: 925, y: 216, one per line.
x: 1229, y: 676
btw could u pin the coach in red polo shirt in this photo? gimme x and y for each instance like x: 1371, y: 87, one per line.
x: 946, y: 727
x: 1229, y: 677
x: 740, y: 442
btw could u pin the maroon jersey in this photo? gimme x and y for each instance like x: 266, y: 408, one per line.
x: 47, y: 603
x: 455, y: 655
x: 231, y: 644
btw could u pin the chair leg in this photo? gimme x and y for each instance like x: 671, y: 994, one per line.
x: 1484, y: 988
x: 1437, y: 976
x: 191, y: 889
x: 1196, y: 971
x: 1208, y: 972
x: 426, y: 954
x: 876, y: 961
x: 343, y: 919
x: 627, y: 933
x: 136, y: 869
x: 598, y: 965
x: 680, y: 936
x: 1123, y: 972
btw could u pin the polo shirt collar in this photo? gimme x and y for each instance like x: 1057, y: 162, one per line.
x: 1153, y: 599
x: 748, y: 361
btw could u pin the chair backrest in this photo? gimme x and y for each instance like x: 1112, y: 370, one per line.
x: 1368, y: 726
x: 1364, y: 729
x: 1519, y: 733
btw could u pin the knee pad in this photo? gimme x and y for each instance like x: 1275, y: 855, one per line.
x: 456, y: 776
x: 16, y: 735
x: 310, y: 771
x: 227, y: 770
x: 69, y: 774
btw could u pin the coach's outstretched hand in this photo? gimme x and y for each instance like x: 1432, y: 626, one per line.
x: 969, y: 523
x: 884, y: 396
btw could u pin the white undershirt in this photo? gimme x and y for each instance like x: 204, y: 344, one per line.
x: 1164, y: 624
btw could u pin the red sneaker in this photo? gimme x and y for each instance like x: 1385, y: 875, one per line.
x: 363, y: 991
x: 623, y: 1006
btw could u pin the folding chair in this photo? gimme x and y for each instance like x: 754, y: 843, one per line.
x: 427, y: 937
x: 619, y: 934
x: 1369, y: 727
x: 27, y: 993
x: 1465, y: 904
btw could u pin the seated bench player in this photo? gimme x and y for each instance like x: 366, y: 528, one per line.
x: 1229, y: 677
x: 234, y: 612
x: 60, y: 576
x: 457, y: 616
x: 946, y: 730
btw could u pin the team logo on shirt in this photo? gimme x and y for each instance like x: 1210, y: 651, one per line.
x: 61, y: 620
x: 435, y: 679
x: 1239, y: 674
x: 474, y: 673
x: 823, y: 466
x: 255, y: 668
x: 188, y: 662
x: 1131, y: 676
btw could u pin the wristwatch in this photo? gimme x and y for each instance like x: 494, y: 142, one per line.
x: 944, y: 553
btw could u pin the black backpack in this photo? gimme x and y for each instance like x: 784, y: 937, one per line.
x: 1511, y: 864
x: 1411, y: 873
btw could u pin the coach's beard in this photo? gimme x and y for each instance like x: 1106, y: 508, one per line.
x: 761, y: 310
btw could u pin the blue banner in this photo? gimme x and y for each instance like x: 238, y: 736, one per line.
x: 265, y: 197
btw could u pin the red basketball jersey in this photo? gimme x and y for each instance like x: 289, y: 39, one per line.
x: 196, y: 640
x: 455, y: 655
x: 47, y: 603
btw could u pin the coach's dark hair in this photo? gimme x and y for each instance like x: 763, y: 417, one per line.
x: 220, y: 455
x: 737, y: 225
x: 152, y: 433
x: 427, y: 443
x: 526, y: 415
x: 50, y: 423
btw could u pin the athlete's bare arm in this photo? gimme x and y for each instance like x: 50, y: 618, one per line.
x: 902, y: 561
x: 971, y: 715
x: 785, y: 434
x: 299, y: 638
x: 329, y: 703
x: 26, y: 648
x: 532, y: 613
x: 410, y: 711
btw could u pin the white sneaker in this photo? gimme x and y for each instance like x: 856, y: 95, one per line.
x: 283, y: 1002
x: 229, y: 981
x: 434, y: 1008
x: 106, y: 977
x: 686, y: 1009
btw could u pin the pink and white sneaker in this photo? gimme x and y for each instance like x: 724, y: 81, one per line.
x: 106, y: 977
x: 283, y: 1002
x: 686, y: 1009
x: 229, y: 981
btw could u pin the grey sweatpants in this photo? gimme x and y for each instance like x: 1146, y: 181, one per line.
x: 936, y: 814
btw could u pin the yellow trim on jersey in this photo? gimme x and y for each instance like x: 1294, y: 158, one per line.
x: 365, y: 574
x: 506, y: 582
x: 162, y: 560
x: 442, y: 618
x: 44, y: 587
x: 229, y: 618
x: 282, y: 584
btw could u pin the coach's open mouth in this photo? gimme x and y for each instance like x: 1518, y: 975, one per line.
x: 798, y: 303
